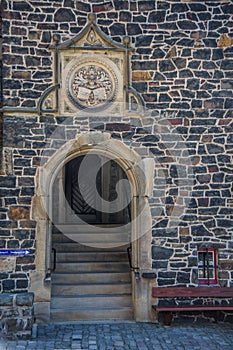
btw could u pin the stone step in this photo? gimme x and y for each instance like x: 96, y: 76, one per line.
x: 94, y: 236
x: 104, y: 240
x: 94, y: 314
x: 94, y: 288
x: 76, y: 247
x: 61, y: 238
x: 93, y: 267
x: 97, y: 228
x: 90, y: 277
x: 91, y: 256
x: 88, y: 301
x: 92, y: 280
x: 106, y: 246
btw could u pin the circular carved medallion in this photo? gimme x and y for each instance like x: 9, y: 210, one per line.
x: 92, y: 85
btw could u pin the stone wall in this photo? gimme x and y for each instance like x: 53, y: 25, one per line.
x: 183, y: 57
x: 16, y: 316
x: 182, y: 66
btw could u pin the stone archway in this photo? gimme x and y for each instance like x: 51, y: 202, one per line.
x: 140, y: 175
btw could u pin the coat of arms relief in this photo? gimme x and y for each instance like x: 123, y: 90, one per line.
x: 92, y: 86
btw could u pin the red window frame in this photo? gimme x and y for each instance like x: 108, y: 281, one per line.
x: 205, y: 268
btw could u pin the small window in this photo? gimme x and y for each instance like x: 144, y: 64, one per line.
x: 207, y: 266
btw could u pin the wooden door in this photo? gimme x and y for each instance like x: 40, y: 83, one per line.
x: 106, y: 181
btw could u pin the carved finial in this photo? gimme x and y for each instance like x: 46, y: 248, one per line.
x: 56, y: 38
x: 126, y: 41
x: 92, y: 17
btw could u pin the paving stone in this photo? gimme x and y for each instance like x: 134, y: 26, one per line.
x: 122, y: 336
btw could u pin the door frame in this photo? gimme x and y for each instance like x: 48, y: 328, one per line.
x: 140, y: 175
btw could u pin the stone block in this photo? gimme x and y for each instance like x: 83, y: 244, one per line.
x: 121, y: 4
x: 117, y: 29
x: 144, y: 40
x: 7, y: 264
x: 8, y: 285
x: 29, y: 94
x: 13, y: 59
x: 22, y: 284
x: 208, y: 211
x: 184, y: 231
x: 14, y: 325
x: 165, y: 281
x: 187, y: 24
x: 42, y: 312
x: 24, y: 260
x: 6, y: 300
x: 85, y: 7
x: 7, y: 181
x: 166, y: 66
x: 117, y: 127
x: 161, y: 253
x: 179, y: 8
x: 2, y: 243
x: 157, y: 17
x: 126, y: 16
x: 64, y: 15
x: 25, y: 299
x: 160, y: 264
x: 213, y: 24
x: 21, y: 74
x: 19, y: 213
x: 146, y: 5
x: 166, y: 274
x: 198, y: 7
x: 13, y: 244
x: 133, y: 29
x: 215, y: 149
x: 186, y: 43
x: 180, y: 62
x: 21, y: 6
x: 37, y: 17
x: 183, y: 277
x: 193, y: 84
x: 42, y: 74
x: 46, y: 37
x: 224, y: 223
x: 200, y: 230
x: 227, y: 64
x: 228, y: 8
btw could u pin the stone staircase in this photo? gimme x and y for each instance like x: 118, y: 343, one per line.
x: 90, y: 283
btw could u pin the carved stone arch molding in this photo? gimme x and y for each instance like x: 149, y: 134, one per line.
x: 92, y: 72
x: 140, y: 174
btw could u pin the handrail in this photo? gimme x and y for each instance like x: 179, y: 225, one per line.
x: 132, y: 268
x: 54, y: 259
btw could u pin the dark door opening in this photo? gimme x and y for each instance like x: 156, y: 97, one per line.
x: 92, y: 278
x: 98, y: 196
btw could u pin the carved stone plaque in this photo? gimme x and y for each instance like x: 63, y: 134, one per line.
x: 92, y: 86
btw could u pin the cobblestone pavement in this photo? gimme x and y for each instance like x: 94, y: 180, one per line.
x: 124, y: 336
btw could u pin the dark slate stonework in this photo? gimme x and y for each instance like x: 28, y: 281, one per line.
x: 64, y: 15
x: 160, y: 253
x: 157, y: 17
x: 183, y: 61
x: 16, y: 316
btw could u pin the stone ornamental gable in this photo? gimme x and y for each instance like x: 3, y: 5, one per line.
x: 91, y: 72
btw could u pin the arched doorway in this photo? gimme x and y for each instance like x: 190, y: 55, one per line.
x: 91, y: 235
x: 94, y: 192
x: 140, y: 175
